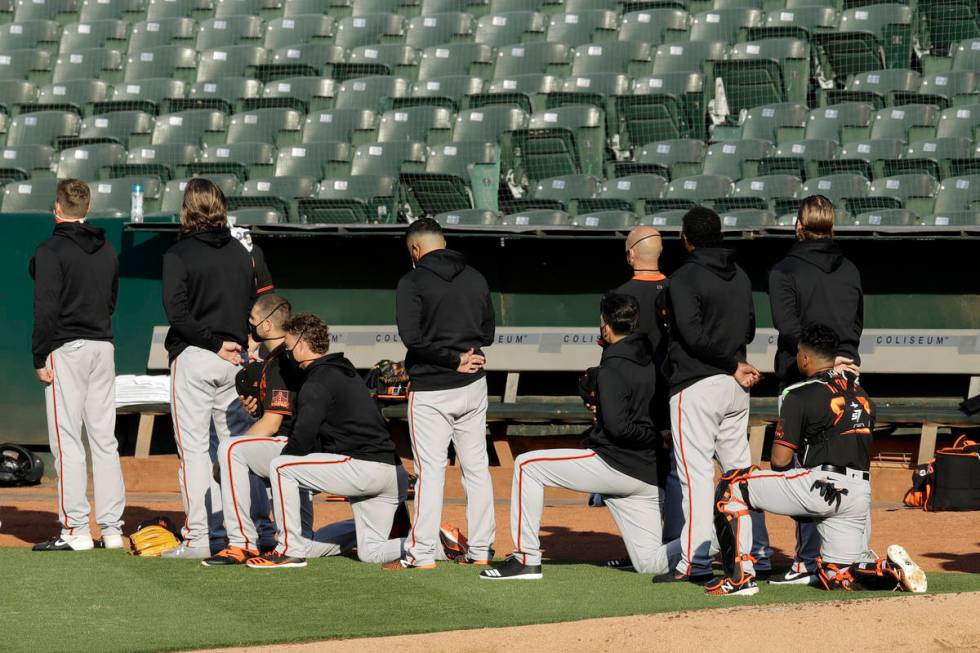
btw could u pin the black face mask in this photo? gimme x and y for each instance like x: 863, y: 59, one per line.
x: 253, y: 329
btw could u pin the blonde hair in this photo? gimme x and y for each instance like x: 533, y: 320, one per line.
x: 204, y: 206
x: 73, y: 196
x: 816, y: 218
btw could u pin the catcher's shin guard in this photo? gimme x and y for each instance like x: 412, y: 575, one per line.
x: 878, y: 575
x: 731, y: 503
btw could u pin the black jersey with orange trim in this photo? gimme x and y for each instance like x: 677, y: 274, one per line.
x: 646, y: 289
x: 278, y: 386
x: 827, y: 420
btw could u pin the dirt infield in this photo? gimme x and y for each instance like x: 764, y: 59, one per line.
x: 894, y: 625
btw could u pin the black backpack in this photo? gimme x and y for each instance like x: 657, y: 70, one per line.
x: 949, y: 482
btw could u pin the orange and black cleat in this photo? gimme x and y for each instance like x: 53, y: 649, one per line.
x: 729, y: 587
x: 232, y: 555
x: 275, y: 560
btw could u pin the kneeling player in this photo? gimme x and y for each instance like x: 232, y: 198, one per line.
x: 619, y: 461
x: 820, y: 462
x: 339, y: 444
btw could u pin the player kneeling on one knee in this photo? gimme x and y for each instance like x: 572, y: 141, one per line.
x: 619, y: 460
x: 820, y: 462
x: 339, y: 445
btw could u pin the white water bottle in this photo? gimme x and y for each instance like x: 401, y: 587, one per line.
x: 136, y: 204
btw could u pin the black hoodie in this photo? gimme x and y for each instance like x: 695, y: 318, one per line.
x: 336, y: 414
x: 208, y: 291
x: 814, y: 283
x: 624, y: 435
x: 76, y: 279
x: 443, y: 308
x: 711, y: 317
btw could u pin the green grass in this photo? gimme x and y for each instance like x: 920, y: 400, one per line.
x: 108, y: 601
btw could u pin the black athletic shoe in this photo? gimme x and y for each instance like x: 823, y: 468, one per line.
x: 793, y: 578
x: 623, y: 564
x: 77, y: 543
x: 701, y: 579
x: 511, y: 569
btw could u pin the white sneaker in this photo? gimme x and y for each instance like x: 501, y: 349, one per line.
x: 795, y: 578
x: 112, y: 541
x: 912, y: 578
x: 67, y: 543
x: 188, y: 552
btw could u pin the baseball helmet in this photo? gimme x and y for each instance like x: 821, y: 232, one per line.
x: 18, y: 466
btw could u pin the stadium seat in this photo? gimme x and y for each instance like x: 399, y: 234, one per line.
x: 388, y: 159
x: 314, y: 92
x: 93, y: 10
x: 265, y: 126
x: 319, y: 160
x: 90, y: 35
x: 962, y: 121
x: 247, y: 160
x: 831, y: 123
x: 21, y: 64
x: 890, y: 23
x: 627, y: 193
x: 277, y: 193
x: 654, y: 26
x: 44, y: 9
x: 474, y: 59
x: 29, y: 35
x: 86, y: 64
x: 726, y: 25
x: 22, y: 162
x: 509, y: 28
x: 430, y: 7
x: 119, y: 126
x: 284, y: 32
x: 878, y: 86
x: 114, y: 196
x: 958, y: 194
x: 256, y: 216
x: 162, y: 62
x: 42, y: 127
x: 630, y: 57
x: 318, y: 57
x: 966, y: 55
x: 895, y: 122
x: 591, y: 88
x: 173, y: 191
x: 468, y: 218
x: 536, y: 218
x: 416, y: 124
x: 350, y: 125
x: 952, y: 85
x: 943, y: 23
x: 769, y: 71
x: 699, y: 188
x: 230, y: 8
x: 763, y: 192
x: 682, y: 157
x: 487, y: 123
x: 167, y: 160
x: 159, y: 9
x: 451, y: 90
x: 380, y: 59
x: 81, y: 93
x: 86, y: 162
x: 149, y: 90
x: 565, y: 189
x: 353, y: 31
x: 953, y: 218
x: 576, y: 29
x: 836, y: 188
x: 31, y: 196
x: 873, y: 153
x: 663, y: 106
x: 938, y: 155
x: 800, y: 158
x: 747, y: 219
x: 528, y: 92
x: 195, y: 127
x: 788, y: 22
x: 359, y: 199
x: 370, y: 92
x: 586, y: 124
x: 605, y: 220
x: 886, y: 218
x: 909, y: 191
x: 430, y: 30
x: 224, y: 93
x: 161, y: 32
x: 16, y: 91
x: 665, y: 218
x: 456, y: 158
x: 688, y: 57
x: 525, y: 58
x: 230, y: 61
x: 736, y: 159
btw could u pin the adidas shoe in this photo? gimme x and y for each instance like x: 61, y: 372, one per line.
x: 728, y: 587
x: 511, y: 569
x: 911, y: 576
x: 623, y: 564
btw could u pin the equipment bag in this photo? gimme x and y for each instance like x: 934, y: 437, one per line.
x: 956, y: 482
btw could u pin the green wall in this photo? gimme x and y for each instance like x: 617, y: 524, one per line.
x: 350, y: 279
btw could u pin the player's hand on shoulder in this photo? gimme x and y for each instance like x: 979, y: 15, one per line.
x: 845, y: 364
x: 44, y: 375
x: 231, y: 352
x: 747, y: 375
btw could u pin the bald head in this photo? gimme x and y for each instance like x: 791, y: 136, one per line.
x: 643, y: 248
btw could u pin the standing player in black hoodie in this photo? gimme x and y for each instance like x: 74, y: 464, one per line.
x: 711, y: 322
x: 618, y: 461
x: 445, y: 316
x: 814, y: 284
x: 208, y: 291
x: 76, y: 278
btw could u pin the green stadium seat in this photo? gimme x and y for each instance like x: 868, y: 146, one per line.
x: 248, y: 160
x: 829, y: 123
x: 890, y: 23
x: 160, y: 32
x: 44, y: 10
x: 699, y: 188
x: 536, y: 218
x: 423, y: 124
x: 765, y: 192
x: 159, y: 9
x: 486, y: 124
x: 16, y: 91
x: 155, y: 91
x: 360, y: 199
x: 399, y: 60
x: 278, y: 193
x: 895, y: 122
x: 119, y: 126
x: 255, y: 216
x: 319, y: 56
x: 736, y: 159
x: 682, y: 157
x: 430, y: 30
x: 628, y: 193
x: 631, y: 57
x: 217, y: 33
x: 113, y: 196
x: 873, y: 153
x: 667, y: 218
x: 265, y: 126
x: 353, y: 31
x: 588, y: 127
x: 475, y: 7
x: 388, y: 159
x: 173, y: 191
x: 962, y: 121
x: 283, y: 32
x: 958, y: 194
x: 509, y: 28
x: 231, y: 8
x: 314, y: 92
x: 663, y: 106
x: 23, y: 64
x: 166, y: 61
x: 565, y: 189
x: 451, y: 89
x: 41, y: 34
x: 319, y: 160
x: 86, y: 162
x: 86, y: 64
x: 952, y: 85
x: 688, y: 57
x: 468, y: 218
x: 591, y: 88
x: 41, y: 127
x: 80, y: 92
x: 727, y: 25
x: 31, y: 196
x: 938, y: 155
x: 195, y: 127
x: 528, y: 91
x: 910, y: 191
x: 747, y: 219
x: 367, y: 7
x: 836, y: 188
x: 96, y: 34
x: 455, y: 158
x: 966, y: 55
x: 370, y: 92
x: 751, y: 79
x: 605, y: 220
x: 500, y: 6
x: 291, y: 8
x: 800, y: 158
x: 882, y: 83
x: 583, y: 27
x: 457, y: 59
x: 231, y: 61
x: 93, y: 10
x: 526, y: 58
x: 25, y: 161
x: 229, y: 89
x: 349, y: 125
x: 811, y: 18
x: 655, y: 26
x: 886, y: 218
x: 950, y: 219
x: 169, y: 159
x: 427, y: 194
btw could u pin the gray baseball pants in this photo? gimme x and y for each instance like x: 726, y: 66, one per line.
x: 635, y: 506
x: 202, y: 386
x: 436, y: 418
x: 83, y: 394
x: 710, y: 422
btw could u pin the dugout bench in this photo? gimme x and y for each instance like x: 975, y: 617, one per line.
x: 557, y: 349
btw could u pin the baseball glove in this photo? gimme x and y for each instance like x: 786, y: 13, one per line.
x: 153, y: 537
